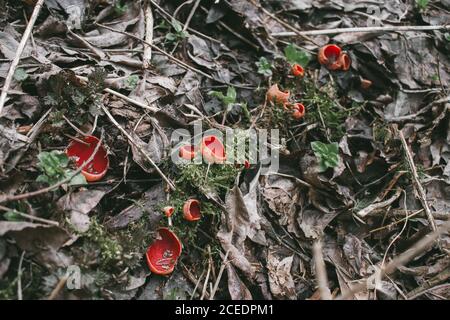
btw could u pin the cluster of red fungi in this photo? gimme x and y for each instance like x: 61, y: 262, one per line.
x: 331, y: 56
x: 164, y: 252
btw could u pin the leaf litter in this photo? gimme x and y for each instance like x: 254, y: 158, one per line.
x: 345, y: 179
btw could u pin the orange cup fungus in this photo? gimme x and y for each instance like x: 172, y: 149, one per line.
x: 212, y: 149
x: 334, y: 58
x: 298, y: 71
x: 96, y: 169
x: 298, y: 111
x: 163, y: 254
x: 187, y: 152
x: 168, y: 211
x: 191, y: 210
x: 275, y: 95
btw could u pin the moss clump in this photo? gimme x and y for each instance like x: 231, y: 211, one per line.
x: 322, y: 107
x: 109, y: 249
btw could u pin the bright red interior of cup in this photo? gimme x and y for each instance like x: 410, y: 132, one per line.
x: 300, y: 107
x: 298, y: 69
x: 163, y: 254
x: 194, y: 210
x: 82, y: 152
x: 332, y: 53
x: 215, y: 145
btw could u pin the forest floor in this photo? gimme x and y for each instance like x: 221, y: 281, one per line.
x: 358, y: 207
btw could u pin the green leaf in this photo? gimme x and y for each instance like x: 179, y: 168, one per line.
x: 131, y: 82
x: 422, y: 4
x: 20, y: 75
x: 327, y: 154
x: 230, y: 98
x: 171, y: 36
x: 294, y: 55
x: 264, y: 67
x: 12, y: 216
x: 177, y: 26
x: 119, y: 8
x: 79, y: 179
x: 52, y: 165
x: 231, y: 95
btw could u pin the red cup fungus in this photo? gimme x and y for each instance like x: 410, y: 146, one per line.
x: 366, y: 84
x: 344, y: 61
x: 274, y: 94
x: 187, y: 152
x: 334, y: 58
x: 298, y: 71
x: 163, y: 254
x: 191, y: 210
x: 298, y: 111
x: 96, y: 169
x: 212, y: 149
x: 168, y: 211
x: 328, y: 55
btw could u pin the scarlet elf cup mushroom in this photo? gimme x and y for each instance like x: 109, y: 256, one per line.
x: 96, y: 169
x: 297, y: 70
x: 334, y: 58
x: 168, y: 212
x: 212, y: 149
x: 187, y: 152
x: 275, y: 95
x: 163, y: 254
x: 191, y: 210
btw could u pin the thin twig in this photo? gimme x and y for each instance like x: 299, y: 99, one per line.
x: 321, y: 272
x: 167, y: 15
x: 132, y: 101
x: 74, y: 127
x: 236, y: 34
x: 29, y: 216
x: 56, y: 185
x: 130, y: 139
x: 197, y: 285
x: 282, y: 22
x: 147, y: 57
x: 415, y: 176
x: 219, y: 276
x: 19, y: 277
x: 58, y: 288
x: 361, y: 29
x: 205, y: 285
x: 20, y: 48
x: 191, y: 14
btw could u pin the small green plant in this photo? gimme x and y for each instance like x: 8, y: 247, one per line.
x: 327, y: 154
x: 179, y: 33
x: 109, y: 248
x: 131, y: 82
x: 422, y: 4
x: 323, y: 108
x: 120, y: 8
x: 20, y: 75
x: 264, y: 67
x: 54, y: 168
x: 295, y: 55
x: 228, y: 99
